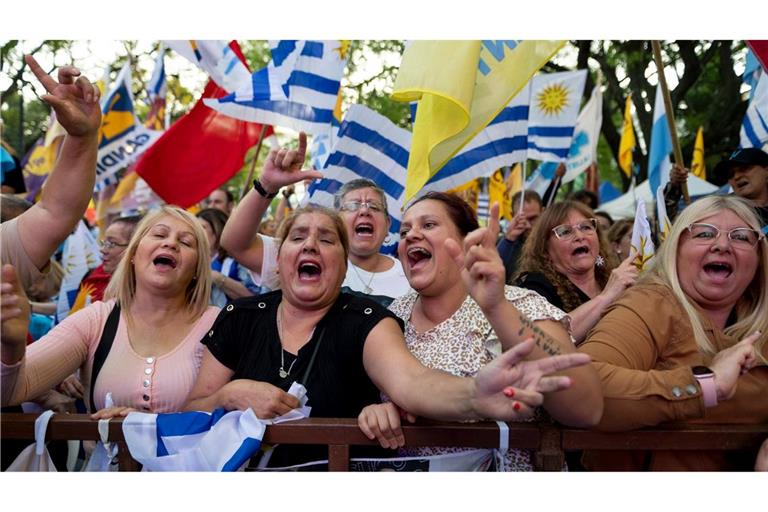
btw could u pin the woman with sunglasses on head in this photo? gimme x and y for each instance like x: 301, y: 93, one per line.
x: 685, y: 343
x: 568, y: 262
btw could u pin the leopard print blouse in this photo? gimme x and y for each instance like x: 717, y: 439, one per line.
x: 466, y: 342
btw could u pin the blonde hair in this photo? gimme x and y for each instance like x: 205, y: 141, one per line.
x: 122, y: 285
x: 751, y: 307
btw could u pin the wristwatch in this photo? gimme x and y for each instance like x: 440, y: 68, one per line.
x: 260, y: 189
x: 706, y: 378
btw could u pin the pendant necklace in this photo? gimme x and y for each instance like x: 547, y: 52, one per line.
x: 283, y: 372
x: 367, y: 289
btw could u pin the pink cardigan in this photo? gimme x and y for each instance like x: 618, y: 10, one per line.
x: 157, y: 384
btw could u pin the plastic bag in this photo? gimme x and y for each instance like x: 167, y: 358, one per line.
x: 35, y: 457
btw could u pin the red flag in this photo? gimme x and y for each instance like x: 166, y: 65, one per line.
x: 199, y: 152
x: 760, y: 49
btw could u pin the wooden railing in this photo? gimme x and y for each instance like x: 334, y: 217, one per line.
x: 548, y: 441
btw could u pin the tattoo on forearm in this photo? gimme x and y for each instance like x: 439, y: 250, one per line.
x: 542, y: 340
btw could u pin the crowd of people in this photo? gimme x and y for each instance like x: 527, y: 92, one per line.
x: 548, y: 321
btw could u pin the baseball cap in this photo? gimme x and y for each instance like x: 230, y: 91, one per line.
x: 739, y: 158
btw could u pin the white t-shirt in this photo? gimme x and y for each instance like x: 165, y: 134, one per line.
x: 391, y: 283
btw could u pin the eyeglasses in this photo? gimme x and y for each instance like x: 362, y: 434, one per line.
x: 353, y: 206
x: 109, y: 244
x: 568, y: 231
x: 707, y: 233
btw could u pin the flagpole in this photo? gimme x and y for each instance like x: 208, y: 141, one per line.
x: 670, y: 116
x: 253, y: 164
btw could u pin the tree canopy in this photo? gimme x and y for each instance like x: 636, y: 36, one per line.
x: 706, y: 90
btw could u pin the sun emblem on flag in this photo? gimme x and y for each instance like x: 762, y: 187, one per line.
x: 343, y: 49
x: 553, y: 99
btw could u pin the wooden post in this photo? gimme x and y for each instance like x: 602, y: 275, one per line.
x: 253, y: 164
x: 670, y: 115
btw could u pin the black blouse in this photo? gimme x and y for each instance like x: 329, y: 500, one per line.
x: 245, y: 339
x: 537, y: 282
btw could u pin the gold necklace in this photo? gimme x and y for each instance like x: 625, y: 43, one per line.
x: 367, y: 289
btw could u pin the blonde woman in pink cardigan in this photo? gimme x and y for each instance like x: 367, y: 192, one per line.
x: 162, y: 285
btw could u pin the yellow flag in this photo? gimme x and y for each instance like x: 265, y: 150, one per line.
x: 627, y: 143
x: 497, y: 193
x: 470, y: 192
x: 460, y: 86
x: 698, y: 168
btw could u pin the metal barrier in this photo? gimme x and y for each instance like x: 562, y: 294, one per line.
x: 550, y: 442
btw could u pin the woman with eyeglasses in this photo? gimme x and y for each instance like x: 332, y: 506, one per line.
x: 568, y: 261
x: 688, y: 342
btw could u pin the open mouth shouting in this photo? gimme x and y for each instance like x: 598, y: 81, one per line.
x: 165, y: 262
x: 580, y: 250
x: 364, y: 229
x: 418, y: 257
x: 309, y: 270
x: 718, y: 271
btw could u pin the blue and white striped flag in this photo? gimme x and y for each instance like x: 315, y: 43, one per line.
x: 502, y: 143
x: 554, y: 107
x: 373, y: 147
x: 193, y: 441
x: 298, y: 89
x: 659, y: 163
x: 754, y: 127
x: 217, y: 59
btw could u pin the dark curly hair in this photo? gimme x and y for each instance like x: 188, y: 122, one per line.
x: 535, y: 257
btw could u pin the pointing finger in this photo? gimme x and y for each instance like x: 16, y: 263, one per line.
x: 48, y: 82
x: 302, y: 146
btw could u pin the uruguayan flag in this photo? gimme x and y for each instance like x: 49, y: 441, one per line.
x: 193, y: 441
x: 754, y: 127
x: 373, y: 147
x: 298, y: 89
x: 502, y: 143
x: 555, y: 99
x: 217, y: 59
x: 661, y: 145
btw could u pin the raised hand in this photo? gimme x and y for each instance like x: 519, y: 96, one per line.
x: 678, y: 175
x: 383, y: 422
x: 621, y: 278
x: 509, y: 388
x: 73, y: 97
x: 266, y: 400
x: 283, y: 167
x: 482, y: 268
x: 728, y: 364
x: 519, y: 225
